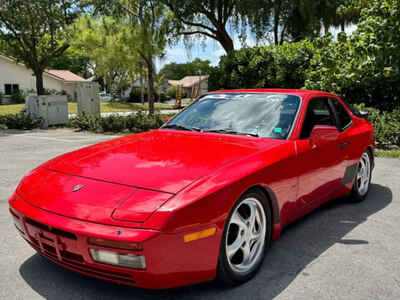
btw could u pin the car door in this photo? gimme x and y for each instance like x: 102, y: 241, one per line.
x: 347, y: 141
x: 320, y: 168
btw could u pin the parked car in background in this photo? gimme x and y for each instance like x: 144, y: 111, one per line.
x: 105, y: 97
x: 201, y: 197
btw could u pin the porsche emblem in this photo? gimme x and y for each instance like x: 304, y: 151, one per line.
x: 77, y: 187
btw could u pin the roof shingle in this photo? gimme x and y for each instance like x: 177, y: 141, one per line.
x: 66, y: 75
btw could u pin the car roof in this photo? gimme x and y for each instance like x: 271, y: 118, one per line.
x: 300, y: 93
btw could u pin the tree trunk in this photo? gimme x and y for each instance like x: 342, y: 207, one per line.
x: 39, y: 81
x: 150, y: 92
x: 277, y: 11
x: 141, y: 87
x: 282, y: 35
x: 225, y: 40
x: 276, y: 34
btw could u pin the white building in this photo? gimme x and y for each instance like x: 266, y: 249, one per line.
x: 15, y: 76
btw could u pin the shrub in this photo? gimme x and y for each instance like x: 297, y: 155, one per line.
x: 135, y: 95
x: 17, y: 97
x: 386, y: 126
x: 138, y: 122
x: 163, y: 96
x: 264, y: 67
x: 86, y: 122
x: 20, y: 121
x: 171, y: 91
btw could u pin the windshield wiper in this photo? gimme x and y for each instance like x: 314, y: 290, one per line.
x: 228, y: 131
x: 180, y: 127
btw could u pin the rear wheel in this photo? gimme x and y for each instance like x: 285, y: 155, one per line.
x: 246, y: 236
x: 363, y: 178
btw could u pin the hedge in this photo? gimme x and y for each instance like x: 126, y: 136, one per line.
x: 20, y: 121
x: 138, y: 122
x: 386, y: 126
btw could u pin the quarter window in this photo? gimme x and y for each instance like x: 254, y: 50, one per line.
x: 343, y: 117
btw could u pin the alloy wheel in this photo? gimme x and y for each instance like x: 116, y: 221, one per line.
x: 245, y: 238
x: 363, y: 174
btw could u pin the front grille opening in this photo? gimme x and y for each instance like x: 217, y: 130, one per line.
x: 64, y: 254
x: 55, y: 231
x: 76, y: 262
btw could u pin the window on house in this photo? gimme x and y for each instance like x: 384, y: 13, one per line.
x: 10, y: 89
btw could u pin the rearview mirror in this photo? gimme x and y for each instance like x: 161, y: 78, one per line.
x: 323, y: 134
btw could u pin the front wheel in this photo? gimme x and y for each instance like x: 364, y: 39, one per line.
x: 246, y: 236
x: 362, y: 181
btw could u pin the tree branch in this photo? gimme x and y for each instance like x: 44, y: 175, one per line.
x: 198, y: 32
x: 198, y: 25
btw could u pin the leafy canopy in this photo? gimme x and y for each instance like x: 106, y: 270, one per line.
x: 175, y: 71
x: 107, y: 42
x: 34, y: 31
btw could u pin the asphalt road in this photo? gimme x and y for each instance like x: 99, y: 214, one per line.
x: 340, y: 251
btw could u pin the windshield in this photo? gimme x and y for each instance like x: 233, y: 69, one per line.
x: 255, y: 114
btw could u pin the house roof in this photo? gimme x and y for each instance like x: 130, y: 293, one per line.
x: 66, y: 75
x: 188, y: 81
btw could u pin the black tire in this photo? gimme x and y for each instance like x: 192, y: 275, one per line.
x: 225, y: 272
x: 357, y: 194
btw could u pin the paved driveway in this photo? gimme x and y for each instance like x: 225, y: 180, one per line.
x: 341, y: 251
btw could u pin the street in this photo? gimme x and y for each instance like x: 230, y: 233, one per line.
x: 340, y: 251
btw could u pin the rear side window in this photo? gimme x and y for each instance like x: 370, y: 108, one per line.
x: 344, y: 119
x: 318, y: 113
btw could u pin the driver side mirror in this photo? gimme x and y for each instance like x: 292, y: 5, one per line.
x: 320, y: 135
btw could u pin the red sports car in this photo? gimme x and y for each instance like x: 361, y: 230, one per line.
x: 201, y: 197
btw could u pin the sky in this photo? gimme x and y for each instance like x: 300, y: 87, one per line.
x: 212, y: 50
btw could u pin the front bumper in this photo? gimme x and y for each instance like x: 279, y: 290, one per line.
x: 170, y: 262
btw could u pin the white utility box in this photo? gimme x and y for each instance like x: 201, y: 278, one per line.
x: 53, y: 109
x: 88, y: 98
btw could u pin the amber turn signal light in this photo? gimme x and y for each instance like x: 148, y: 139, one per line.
x: 199, y: 235
x: 115, y: 244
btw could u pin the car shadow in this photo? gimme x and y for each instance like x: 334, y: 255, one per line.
x: 299, y: 245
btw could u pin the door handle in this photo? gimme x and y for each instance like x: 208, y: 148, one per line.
x: 343, y: 145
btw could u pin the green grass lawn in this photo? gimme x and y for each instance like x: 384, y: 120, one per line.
x: 388, y: 153
x: 104, y: 107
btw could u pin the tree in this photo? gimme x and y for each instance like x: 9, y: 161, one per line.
x: 212, y: 18
x: 74, y: 60
x: 364, y: 67
x: 338, y: 13
x: 175, y: 71
x: 149, y: 23
x: 34, y: 32
x: 107, y: 42
x: 295, y: 20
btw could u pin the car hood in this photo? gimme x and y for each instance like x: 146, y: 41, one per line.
x: 160, y: 160
x: 88, y: 199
